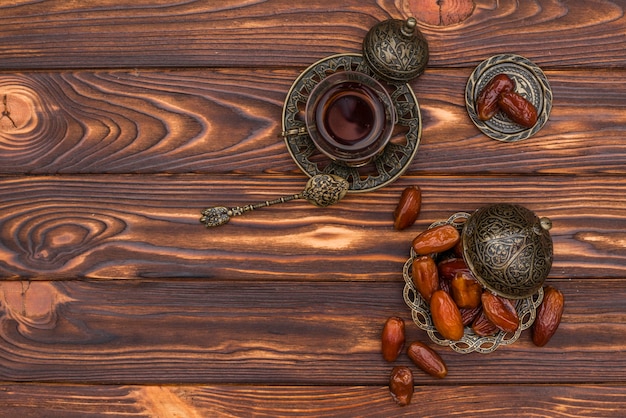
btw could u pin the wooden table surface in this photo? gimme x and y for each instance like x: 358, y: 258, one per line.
x: 120, y: 123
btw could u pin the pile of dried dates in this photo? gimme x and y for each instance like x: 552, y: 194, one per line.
x: 456, y: 299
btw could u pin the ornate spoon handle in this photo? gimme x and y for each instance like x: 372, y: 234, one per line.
x: 320, y: 190
x: 220, y: 215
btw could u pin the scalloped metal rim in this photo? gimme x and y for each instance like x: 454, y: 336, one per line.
x: 394, y: 160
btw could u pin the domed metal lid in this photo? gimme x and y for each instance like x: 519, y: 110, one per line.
x: 509, y: 249
x: 396, y: 50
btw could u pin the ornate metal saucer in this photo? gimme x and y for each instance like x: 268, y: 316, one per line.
x: 420, y: 310
x: 530, y: 82
x: 384, y: 169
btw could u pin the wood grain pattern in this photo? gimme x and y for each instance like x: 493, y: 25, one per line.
x: 279, y: 33
x: 70, y: 401
x: 140, y: 332
x: 120, y: 122
x: 439, y: 13
x: 148, y: 227
x: 229, y: 121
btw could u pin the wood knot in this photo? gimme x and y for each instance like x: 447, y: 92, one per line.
x: 32, y: 126
x: 33, y: 305
x: 17, y: 109
x: 439, y: 12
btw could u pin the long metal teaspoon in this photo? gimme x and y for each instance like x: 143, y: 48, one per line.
x: 321, y: 190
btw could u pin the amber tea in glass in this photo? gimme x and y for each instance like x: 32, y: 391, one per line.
x: 350, y: 117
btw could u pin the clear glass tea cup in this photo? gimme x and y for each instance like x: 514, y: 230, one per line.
x: 350, y: 117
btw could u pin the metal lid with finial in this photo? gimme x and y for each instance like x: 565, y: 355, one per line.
x: 508, y: 248
x: 396, y: 50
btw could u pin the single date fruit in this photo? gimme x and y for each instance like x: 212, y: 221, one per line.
x: 401, y: 385
x: 392, y: 338
x: 466, y: 291
x: 487, y: 101
x: 483, y: 326
x: 457, y: 250
x: 425, y: 276
x: 445, y: 286
x: 427, y: 359
x: 436, y: 240
x: 448, y: 268
x: 408, y: 208
x: 548, y: 316
x: 520, y: 110
x: 469, y: 315
x: 446, y: 315
x: 500, y: 311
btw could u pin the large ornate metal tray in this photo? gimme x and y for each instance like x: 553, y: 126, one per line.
x: 384, y: 169
x: 420, y: 310
x: 530, y: 82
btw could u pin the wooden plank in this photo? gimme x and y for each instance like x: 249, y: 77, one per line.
x: 278, y: 33
x: 148, y: 226
x: 118, y: 123
x: 229, y: 121
x: 270, y: 332
x: 329, y: 401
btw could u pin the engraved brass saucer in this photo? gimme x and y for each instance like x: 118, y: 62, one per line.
x: 530, y: 82
x: 470, y: 342
x: 397, y: 154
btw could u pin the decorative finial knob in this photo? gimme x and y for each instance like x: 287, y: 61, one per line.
x: 545, y: 223
x: 409, y: 27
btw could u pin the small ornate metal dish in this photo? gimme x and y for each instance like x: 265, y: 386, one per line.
x: 420, y: 310
x: 397, y: 154
x: 530, y: 82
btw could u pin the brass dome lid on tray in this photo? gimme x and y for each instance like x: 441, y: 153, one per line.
x: 396, y: 50
x: 508, y: 249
